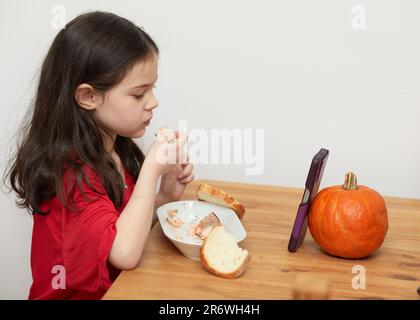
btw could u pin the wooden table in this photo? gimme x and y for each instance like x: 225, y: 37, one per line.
x: 393, y: 272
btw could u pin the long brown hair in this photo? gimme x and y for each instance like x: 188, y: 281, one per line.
x: 97, y: 48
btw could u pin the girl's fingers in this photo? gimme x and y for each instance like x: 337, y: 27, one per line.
x: 173, y: 144
x: 183, y: 159
x: 181, y: 140
x: 186, y: 171
x: 182, y: 153
x: 165, y: 135
x: 187, y: 179
x: 168, y: 135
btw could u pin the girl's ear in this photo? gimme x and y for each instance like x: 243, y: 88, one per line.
x: 87, y: 97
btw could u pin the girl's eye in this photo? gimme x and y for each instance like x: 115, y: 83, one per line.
x: 138, y: 97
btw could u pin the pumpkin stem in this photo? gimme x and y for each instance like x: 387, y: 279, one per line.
x: 350, y: 182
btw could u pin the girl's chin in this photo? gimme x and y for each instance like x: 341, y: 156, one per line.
x: 138, y: 134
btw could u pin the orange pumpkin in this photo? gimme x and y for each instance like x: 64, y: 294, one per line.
x: 348, y: 221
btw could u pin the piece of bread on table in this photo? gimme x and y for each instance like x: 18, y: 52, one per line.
x: 309, y: 286
x: 221, y: 255
x: 215, y: 195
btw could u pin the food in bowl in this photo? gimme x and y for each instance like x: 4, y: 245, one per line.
x: 206, y: 225
x: 192, y: 213
x: 173, y: 219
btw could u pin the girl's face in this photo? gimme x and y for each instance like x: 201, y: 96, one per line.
x: 126, y: 109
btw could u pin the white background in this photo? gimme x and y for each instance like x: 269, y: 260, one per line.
x: 294, y: 68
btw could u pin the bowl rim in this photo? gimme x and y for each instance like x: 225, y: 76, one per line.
x: 197, y: 201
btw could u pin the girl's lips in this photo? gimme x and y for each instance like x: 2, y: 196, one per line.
x: 147, y: 122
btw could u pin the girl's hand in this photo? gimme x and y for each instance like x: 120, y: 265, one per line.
x: 167, y: 152
x: 173, y: 183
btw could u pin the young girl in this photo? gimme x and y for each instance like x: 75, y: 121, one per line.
x: 90, y: 189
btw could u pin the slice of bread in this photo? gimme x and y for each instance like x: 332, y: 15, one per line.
x: 221, y: 255
x: 215, y: 195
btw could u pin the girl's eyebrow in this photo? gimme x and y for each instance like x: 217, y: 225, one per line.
x: 145, y: 85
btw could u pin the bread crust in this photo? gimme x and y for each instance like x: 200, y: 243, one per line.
x: 225, y: 197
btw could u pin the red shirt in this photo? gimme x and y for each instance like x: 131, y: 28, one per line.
x: 76, y: 245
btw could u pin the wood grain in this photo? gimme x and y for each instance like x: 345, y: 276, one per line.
x: 393, y: 272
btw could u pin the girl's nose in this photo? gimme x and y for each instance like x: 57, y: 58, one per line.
x: 152, y: 104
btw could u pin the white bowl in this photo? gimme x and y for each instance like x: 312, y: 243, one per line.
x: 190, y: 213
